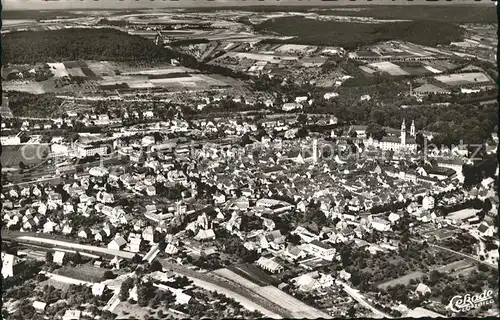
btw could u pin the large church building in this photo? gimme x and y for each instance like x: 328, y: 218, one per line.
x: 404, y: 142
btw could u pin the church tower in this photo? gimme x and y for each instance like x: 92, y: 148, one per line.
x: 412, y: 129
x: 315, y: 151
x: 403, y: 133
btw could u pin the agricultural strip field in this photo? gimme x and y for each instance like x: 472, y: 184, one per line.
x: 228, y: 274
x: 172, y: 75
x: 159, y: 71
x: 297, y: 307
x: 22, y: 86
x: 391, y: 68
x: 457, y: 79
x: 253, y: 273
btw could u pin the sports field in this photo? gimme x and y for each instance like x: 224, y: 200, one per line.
x: 28, y: 154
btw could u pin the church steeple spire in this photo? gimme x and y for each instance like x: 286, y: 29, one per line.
x: 412, y: 128
x: 403, y: 133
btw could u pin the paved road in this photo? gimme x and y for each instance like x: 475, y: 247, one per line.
x: 231, y: 289
x: 356, y: 295
x: 32, y: 237
x: 466, y: 256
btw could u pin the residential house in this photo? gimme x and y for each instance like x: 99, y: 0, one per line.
x: 295, y: 252
x: 135, y: 243
x: 98, y: 289
x: 117, y: 243
x: 275, y: 239
x: 422, y: 290
x: 171, y: 249
x: 344, y: 275
x: 381, y: 224
x: 49, y: 226
x: 485, y: 230
x: 39, y: 306
x: 428, y: 202
x: 148, y: 234
x: 269, y: 265
x: 321, y: 250
x: 307, y: 282
x: 84, y: 233
x: 100, y: 236
x: 58, y: 257
x: 30, y: 224
x: 11, y: 265
x: 305, y: 234
x: 203, y: 234
x: 55, y: 198
x: 72, y: 315
x: 67, y: 229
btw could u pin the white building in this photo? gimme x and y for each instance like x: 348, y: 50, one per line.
x: 381, y: 225
x: 428, y: 202
x: 330, y: 95
x: 403, y: 143
x: 290, y: 106
x: 86, y: 150
x: 320, y: 250
x: 10, y: 140
x: 117, y: 243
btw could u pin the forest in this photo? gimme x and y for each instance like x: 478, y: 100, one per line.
x: 80, y: 44
x: 351, y: 35
x: 452, y: 14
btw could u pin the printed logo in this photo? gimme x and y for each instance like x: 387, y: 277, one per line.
x: 470, y: 302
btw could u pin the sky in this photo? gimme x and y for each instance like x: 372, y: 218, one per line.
x: 151, y: 4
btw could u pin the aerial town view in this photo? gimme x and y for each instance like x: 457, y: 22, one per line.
x: 249, y: 161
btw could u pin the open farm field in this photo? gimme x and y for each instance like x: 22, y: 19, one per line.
x: 390, y: 68
x: 23, y: 86
x: 83, y: 272
x: 405, y: 280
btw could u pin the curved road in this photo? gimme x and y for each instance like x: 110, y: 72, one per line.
x: 466, y: 256
x: 356, y: 295
x: 231, y: 289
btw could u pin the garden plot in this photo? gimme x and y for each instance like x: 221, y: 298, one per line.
x: 101, y: 68
x: 404, y: 280
x: 457, y: 79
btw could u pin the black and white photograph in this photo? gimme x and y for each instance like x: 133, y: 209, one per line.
x: 249, y: 159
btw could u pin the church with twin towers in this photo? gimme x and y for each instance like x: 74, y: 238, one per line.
x: 405, y: 142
